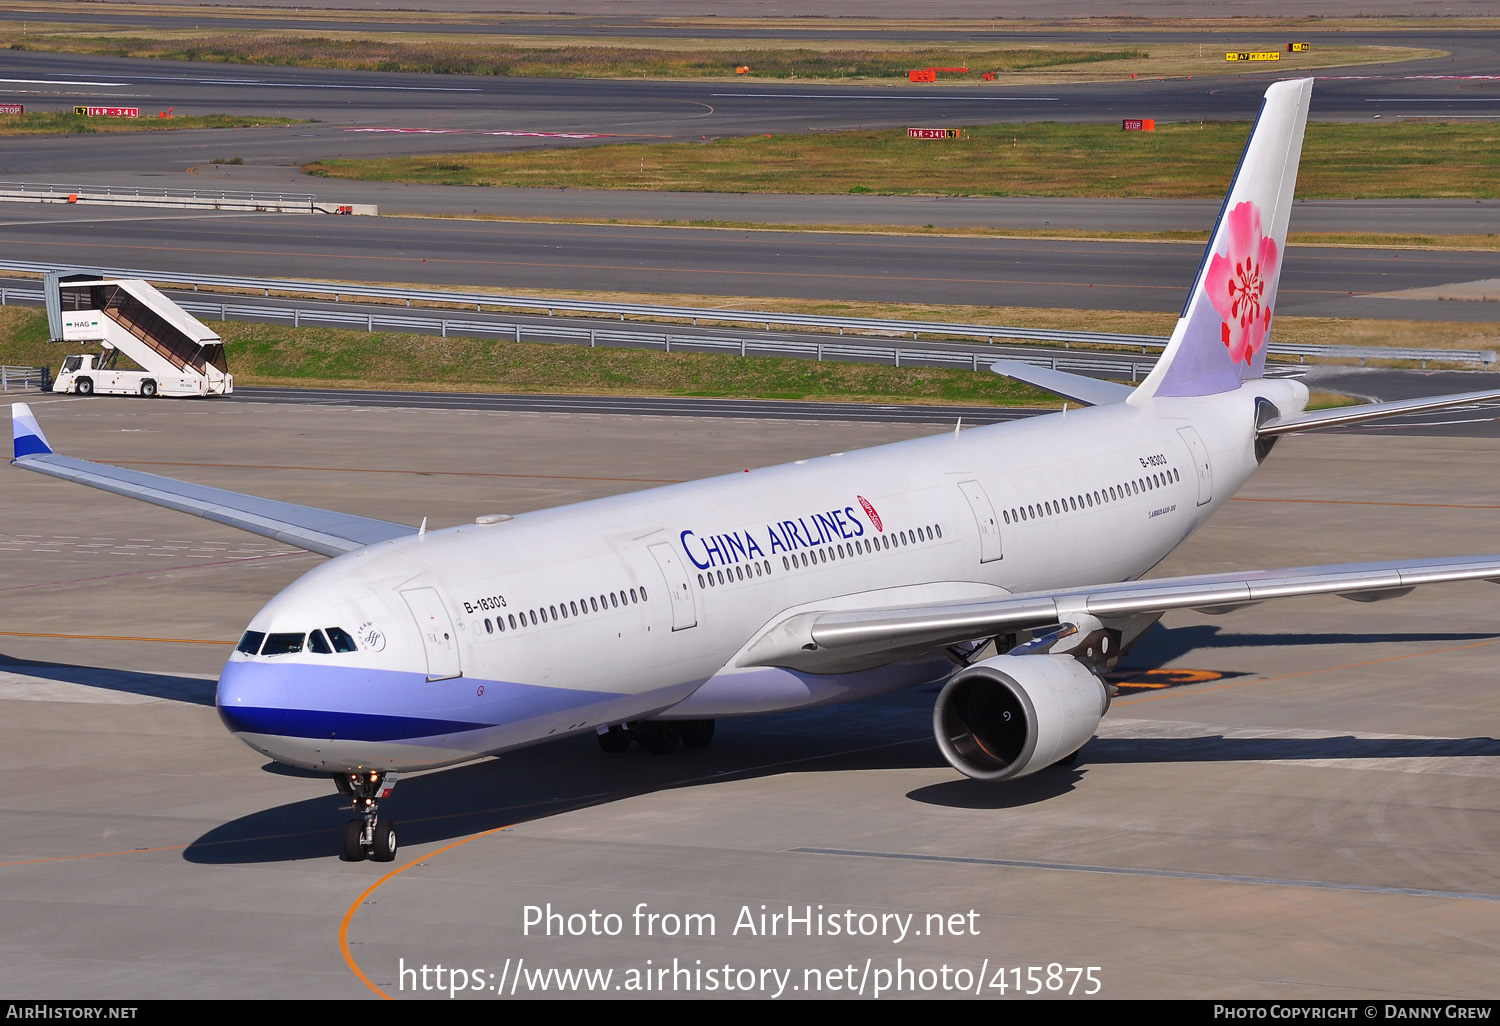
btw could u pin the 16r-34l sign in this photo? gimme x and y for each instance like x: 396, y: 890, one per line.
x: 108, y: 112
x: 932, y: 133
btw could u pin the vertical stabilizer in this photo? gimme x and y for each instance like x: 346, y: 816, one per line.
x: 1220, y: 339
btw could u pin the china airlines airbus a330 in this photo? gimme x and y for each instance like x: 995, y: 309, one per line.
x: 1004, y: 560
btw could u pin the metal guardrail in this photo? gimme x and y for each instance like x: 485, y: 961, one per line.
x: 989, y: 332
x: 24, y: 378
x: 1099, y: 363
x: 670, y: 341
x: 224, y: 198
x: 479, y: 300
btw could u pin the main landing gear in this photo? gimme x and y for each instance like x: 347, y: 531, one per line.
x: 660, y: 737
x: 371, y: 836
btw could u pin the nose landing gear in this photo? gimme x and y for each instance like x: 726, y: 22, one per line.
x: 371, y: 836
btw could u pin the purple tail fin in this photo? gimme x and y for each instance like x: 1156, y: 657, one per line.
x: 1220, y: 339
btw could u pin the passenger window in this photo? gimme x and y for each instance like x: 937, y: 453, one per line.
x: 512, y: 621
x: 643, y: 594
x: 251, y: 642
x: 318, y: 644
x: 489, y: 628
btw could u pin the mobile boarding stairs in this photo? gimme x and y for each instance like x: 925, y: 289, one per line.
x: 151, y: 346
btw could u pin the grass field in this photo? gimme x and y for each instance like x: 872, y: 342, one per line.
x: 53, y: 122
x: 262, y: 354
x: 1339, y: 161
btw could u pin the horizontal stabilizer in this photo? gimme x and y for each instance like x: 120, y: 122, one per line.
x: 1370, y: 411
x: 1093, y: 391
x: 318, y: 530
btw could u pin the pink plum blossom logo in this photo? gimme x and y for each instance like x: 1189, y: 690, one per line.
x: 1237, y: 284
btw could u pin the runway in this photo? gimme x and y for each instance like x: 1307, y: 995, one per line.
x: 1309, y: 813
x: 462, y: 109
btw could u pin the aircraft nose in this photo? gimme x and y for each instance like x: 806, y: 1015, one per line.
x: 253, y: 698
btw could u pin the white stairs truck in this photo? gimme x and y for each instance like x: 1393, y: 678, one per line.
x: 151, y: 346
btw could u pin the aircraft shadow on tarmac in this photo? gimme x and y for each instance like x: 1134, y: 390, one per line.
x: 545, y: 780
x: 1161, y: 645
x: 192, y: 690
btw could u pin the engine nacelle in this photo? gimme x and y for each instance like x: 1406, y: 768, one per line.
x: 1013, y: 715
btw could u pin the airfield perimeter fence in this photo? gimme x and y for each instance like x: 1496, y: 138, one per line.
x: 870, y: 350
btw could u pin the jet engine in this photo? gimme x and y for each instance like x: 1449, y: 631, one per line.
x: 1011, y: 715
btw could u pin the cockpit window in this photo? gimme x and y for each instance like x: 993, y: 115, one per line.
x: 318, y: 644
x: 342, y: 642
x: 283, y: 644
x: 250, y: 643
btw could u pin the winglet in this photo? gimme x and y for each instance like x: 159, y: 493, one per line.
x: 28, y: 437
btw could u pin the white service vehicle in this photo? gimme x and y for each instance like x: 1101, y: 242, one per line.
x: 151, y: 346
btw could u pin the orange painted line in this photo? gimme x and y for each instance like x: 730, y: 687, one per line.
x: 107, y: 637
x: 1309, y: 673
x: 349, y: 915
x: 1371, y: 502
x: 382, y: 470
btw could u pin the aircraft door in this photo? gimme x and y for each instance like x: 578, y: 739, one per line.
x: 674, y: 574
x: 436, y: 628
x: 1205, y: 469
x: 984, y: 517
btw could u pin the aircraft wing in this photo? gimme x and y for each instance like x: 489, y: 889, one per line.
x: 825, y: 642
x: 317, y: 530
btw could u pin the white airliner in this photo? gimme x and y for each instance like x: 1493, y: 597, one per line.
x: 1004, y: 560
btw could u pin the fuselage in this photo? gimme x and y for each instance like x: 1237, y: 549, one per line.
x: 490, y: 636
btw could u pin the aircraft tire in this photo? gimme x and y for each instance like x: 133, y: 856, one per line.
x: 660, y: 737
x: 383, y: 849
x: 354, y: 851
x: 615, y: 740
x: 697, y: 733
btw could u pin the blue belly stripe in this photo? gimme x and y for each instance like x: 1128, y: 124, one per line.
x: 342, y: 726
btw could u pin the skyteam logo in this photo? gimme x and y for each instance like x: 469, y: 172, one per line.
x: 804, y: 532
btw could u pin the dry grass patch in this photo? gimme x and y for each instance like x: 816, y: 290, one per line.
x: 1339, y: 161
x: 55, y: 122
